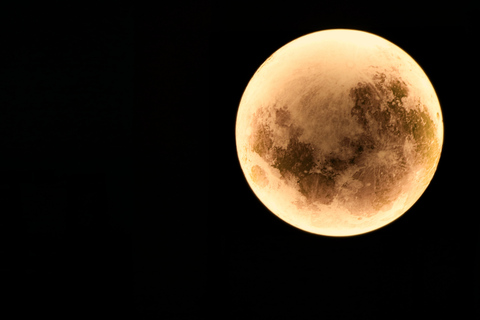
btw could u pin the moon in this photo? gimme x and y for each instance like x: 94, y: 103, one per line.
x: 339, y: 132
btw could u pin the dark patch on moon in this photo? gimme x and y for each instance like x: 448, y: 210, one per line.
x: 378, y: 152
x: 262, y: 139
x: 393, y: 124
x: 283, y: 117
x: 297, y: 158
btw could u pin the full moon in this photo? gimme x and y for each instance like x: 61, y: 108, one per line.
x: 339, y: 132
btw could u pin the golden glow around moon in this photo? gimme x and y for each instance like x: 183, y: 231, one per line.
x: 339, y: 132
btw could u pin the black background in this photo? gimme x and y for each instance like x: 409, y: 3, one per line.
x: 173, y: 161
x: 423, y: 264
x: 122, y: 193
x: 66, y: 171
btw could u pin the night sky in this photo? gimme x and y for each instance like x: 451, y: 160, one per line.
x: 122, y: 194
x: 425, y: 263
x: 66, y: 137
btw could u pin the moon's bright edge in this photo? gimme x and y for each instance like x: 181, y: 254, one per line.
x: 339, y: 132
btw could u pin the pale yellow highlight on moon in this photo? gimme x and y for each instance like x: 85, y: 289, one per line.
x: 314, y: 79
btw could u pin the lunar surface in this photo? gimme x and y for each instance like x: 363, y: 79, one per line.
x: 339, y: 132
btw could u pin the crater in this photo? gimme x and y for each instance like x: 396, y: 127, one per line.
x: 318, y: 187
x: 258, y: 176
